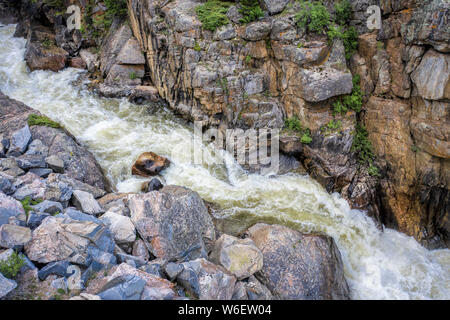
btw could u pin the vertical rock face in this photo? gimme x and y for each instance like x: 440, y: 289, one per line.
x: 409, y: 124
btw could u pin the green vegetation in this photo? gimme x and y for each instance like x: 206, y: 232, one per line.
x: 36, y: 120
x: 353, y: 101
x: 11, y: 266
x: 213, y: 14
x: 99, y: 24
x: 363, y: 147
x: 58, y: 4
x: 116, y: 8
x: 27, y: 203
x: 248, y: 59
x: 197, y: 47
x: 343, y: 12
x: 250, y: 10
x: 415, y: 148
x: 334, y: 124
x: 348, y: 36
x: 294, y: 124
x: 223, y: 83
x: 47, y: 43
x: 313, y: 16
x: 133, y: 75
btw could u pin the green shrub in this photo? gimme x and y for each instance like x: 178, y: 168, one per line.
x: 362, y: 146
x: 353, y: 101
x: 349, y: 37
x: 27, y: 203
x: 11, y: 266
x: 213, y: 14
x: 373, y: 171
x: 334, y: 124
x: 343, y: 12
x: 250, y: 10
x: 294, y: 124
x: 59, y: 4
x: 197, y: 47
x: 36, y: 120
x: 116, y: 7
x: 133, y: 75
x: 306, y: 138
x: 313, y: 16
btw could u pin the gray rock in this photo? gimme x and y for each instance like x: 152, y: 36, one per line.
x: 253, y: 84
x: 206, y: 281
x: 298, y: 266
x: 86, y: 202
x: 5, y: 184
x: 256, y: 290
x: 140, y: 250
x: 9, y: 166
x: 137, y: 261
x: 41, y: 172
x: 225, y: 33
x: 173, y: 222
x: 59, y: 239
x: 173, y: 270
x: 55, y: 163
x: 131, y: 53
x: 80, y: 216
x: 433, y: 85
x: 127, y: 287
x: 121, y: 227
x: 29, y: 161
x: 59, y: 268
x: 19, y: 141
x: 9, y: 207
x: 35, y: 219
x: 234, y: 15
x: 36, y: 147
x: 319, y: 85
x: 239, y: 256
x: 14, y: 237
x: 90, y: 59
x: 275, y: 6
x: 65, y: 179
x: 47, y: 206
x: 125, y: 74
x: 239, y: 292
x: 6, y: 286
x: 257, y: 31
x: 35, y: 190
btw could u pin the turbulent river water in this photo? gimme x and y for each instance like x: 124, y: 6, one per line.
x: 378, y: 264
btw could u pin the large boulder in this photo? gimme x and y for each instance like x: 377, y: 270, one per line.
x: 239, y: 256
x: 298, y: 266
x: 149, y: 164
x: 67, y: 239
x: 206, y: 281
x: 322, y: 84
x: 39, y: 57
x: 275, y: 6
x: 173, y: 222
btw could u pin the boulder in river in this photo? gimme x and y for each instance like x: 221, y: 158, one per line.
x: 149, y: 164
x: 173, y: 222
x: 299, y: 266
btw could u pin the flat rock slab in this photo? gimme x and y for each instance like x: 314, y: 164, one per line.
x: 6, y: 286
x: 86, y: 202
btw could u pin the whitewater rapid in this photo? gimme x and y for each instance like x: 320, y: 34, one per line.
x: 378, y: 265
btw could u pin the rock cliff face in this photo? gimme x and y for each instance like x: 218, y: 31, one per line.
x: 258, y: 74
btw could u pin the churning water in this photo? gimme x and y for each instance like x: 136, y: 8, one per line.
x: 378, y: 265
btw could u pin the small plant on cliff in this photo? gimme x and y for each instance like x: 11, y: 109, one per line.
x: 348, y: 36
x: 313, y: 16
x: 250, y: 10
x: 116, y: 7
x: 11, y: 266
x: 47, y: 43
x: 343, y: 11
x: 213, y: 14
x: 36, y: 120
x: 293, y: 124
x: 27, y: 203
x: 363, y: 147
x: 133, y: 75
x: 197, y: 47
x: 59, y: 4
x: 353, y: 101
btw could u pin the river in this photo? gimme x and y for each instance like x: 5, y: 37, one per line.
x: 378, y: 264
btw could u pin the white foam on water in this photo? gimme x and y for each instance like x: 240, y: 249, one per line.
x: 378, y: 265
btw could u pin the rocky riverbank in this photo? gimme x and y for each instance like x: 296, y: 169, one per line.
x: 65, y: 237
